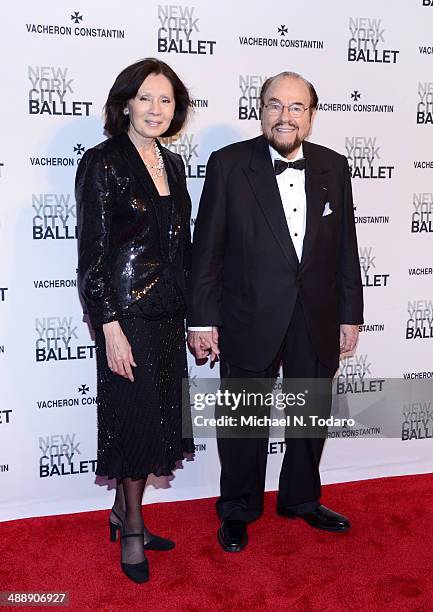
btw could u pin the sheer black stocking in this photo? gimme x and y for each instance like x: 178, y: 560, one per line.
x: 132, y: 548
x: 133, y: 523
x: 119, y: 504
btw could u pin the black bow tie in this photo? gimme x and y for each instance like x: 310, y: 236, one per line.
x: 280, y: 165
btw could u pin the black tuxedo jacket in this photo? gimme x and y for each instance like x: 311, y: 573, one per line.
x: 245, y: 275
x: 120, y: 255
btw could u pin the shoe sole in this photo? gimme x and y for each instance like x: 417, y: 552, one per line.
x: 230, y: 548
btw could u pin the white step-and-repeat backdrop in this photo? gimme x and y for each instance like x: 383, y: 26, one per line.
x: 372, y: 64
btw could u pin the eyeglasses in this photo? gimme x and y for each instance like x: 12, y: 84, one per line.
x: 295, y: 109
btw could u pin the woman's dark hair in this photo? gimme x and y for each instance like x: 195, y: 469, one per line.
x: 126, y: 86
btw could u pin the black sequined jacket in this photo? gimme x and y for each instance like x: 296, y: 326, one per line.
x: 121, y: 261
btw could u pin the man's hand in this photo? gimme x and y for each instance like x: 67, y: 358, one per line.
x: 348, y: 338
x: 118, y: 349
x: 204, y: 344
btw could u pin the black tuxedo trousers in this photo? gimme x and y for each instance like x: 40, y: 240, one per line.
x: 243, y: 460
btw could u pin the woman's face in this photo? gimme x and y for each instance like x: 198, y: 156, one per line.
x: 152, y: 109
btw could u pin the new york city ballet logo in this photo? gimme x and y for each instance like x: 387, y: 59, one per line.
x: 356, y: 102
x: 54, y: 216
x: 424, y: 110
x: 419, y: 325
x: 249, y: 96
x: 417, y: 421
x: 69, y: 159
x: 58, y: 339
x: 81, y: 396
x: 179, y: 32
x: 282, y: 38
x: 184, y: 144
x: 61, y: 455
x: 365, y: 158
x: 355, y: 375
x: 367, y: 42
x: 422, y: 213
x: 369, y: 269
x: 76, y: 27
x: 52, y: 93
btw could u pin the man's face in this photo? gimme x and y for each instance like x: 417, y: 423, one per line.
x: 284, y: 132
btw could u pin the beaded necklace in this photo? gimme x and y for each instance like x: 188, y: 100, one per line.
x: 156, y: 171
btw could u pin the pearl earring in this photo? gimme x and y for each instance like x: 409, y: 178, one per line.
x: 125, y: 111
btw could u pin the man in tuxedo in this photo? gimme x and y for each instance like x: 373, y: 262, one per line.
x: 275, y: 279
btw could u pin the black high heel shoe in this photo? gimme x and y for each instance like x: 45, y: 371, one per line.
x: 156, y: 542
x: 138, y: 572
x: 115, y: 527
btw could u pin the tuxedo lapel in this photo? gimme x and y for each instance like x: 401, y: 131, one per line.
x: 316, y: 195
x: 261, y: 176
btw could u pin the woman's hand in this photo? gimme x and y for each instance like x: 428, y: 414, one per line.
x: 204, y: 344
x: 119, y: 353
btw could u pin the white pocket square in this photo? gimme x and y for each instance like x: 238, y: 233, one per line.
x: 327, y: 210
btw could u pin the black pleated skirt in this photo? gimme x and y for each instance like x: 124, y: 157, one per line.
x: 140, y: 423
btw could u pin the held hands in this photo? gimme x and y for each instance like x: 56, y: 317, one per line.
x: 204, y: 344
x: 348, y: 338
x: 119, y: 353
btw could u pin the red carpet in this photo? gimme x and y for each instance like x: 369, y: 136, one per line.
x: 384, y: 563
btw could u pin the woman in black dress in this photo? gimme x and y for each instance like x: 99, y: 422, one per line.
x: 133, y: 213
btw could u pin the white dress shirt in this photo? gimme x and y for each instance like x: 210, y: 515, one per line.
x: 291, y: 185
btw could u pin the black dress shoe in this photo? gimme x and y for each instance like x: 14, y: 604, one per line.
x: 320, y: 518
x: 232, y: 535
